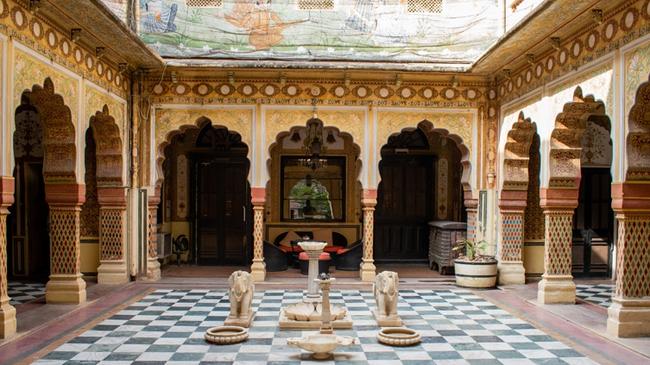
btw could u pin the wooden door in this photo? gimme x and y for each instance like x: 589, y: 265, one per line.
x: 221, y: 212
x: 29, y: 248
x: 593, y: 224
x: 404, y: 208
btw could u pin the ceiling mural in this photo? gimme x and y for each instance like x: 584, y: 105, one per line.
x: 427, y: 31
x: 117, y: 7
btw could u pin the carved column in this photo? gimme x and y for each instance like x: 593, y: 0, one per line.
x: 512, y: 205
x: 258, y: 268
x: 112, y: 236
x: 471, y: 207
x: 66, y: 284
x: 557, y: 284
x: 367, y: 270
x: 629, y: 314
x: 153, y: 266
x: 7, y: 311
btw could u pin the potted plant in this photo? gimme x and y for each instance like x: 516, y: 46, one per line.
x: 472, y: 268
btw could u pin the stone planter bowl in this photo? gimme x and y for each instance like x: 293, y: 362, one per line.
x: 398, y: 336
x: 476, y: 274
x: 226, y: 335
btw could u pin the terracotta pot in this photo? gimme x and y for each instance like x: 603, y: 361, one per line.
x: 476, y: 274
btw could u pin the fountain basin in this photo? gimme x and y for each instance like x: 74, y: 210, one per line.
x: 398, y: 336
x: 312, y: 245
x: 321, y: 345
x: 306, y: 315
x: 226, y: 335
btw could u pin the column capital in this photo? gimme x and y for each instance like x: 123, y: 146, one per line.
x: 631, y: 197
x: 513, y: 200
x: 154, y: 199
x: 65, y: 194
x: 115, y: 197
x: 558, y: 199
x: 6, y: 191
x: 258, y: 196
x: 369, y: 198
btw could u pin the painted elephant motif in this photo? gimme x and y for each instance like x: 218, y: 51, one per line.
x: 386, y: 293
x: 241, y: 294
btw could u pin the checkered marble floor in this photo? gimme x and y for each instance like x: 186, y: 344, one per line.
x: 457, y: 327
x: 20, y: 293
x: 600, y: 294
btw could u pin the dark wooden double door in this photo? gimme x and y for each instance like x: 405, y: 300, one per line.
x: 593, y: 223
x: 222, y: 211
x: 404, y: 208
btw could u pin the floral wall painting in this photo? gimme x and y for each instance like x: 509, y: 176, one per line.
x: 350, y: 30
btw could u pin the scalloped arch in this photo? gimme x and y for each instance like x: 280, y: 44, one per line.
x: 566, y: 138
x: 638, y: 137
x: 199, y: 123
x: 59, y: 136
x: 517, y: 154
x: 108, y: 144
x: 427, y: 127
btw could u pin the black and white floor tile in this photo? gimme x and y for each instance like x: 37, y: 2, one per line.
x: 457, y: 327
x: 20, y: 293
x: 600, y: 294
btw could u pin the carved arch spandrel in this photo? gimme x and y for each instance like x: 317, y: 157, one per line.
x: 60, y: 150
x: 517, y: 154
x: 638, y: 137
x: 428, y: 128
x: 108, y: 144
x: 566, y: 138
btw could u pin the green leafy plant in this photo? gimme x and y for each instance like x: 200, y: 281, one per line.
x: 470, y: 248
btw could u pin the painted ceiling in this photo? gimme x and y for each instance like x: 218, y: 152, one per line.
x: 424, y: 31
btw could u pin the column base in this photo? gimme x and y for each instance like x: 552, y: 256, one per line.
x: 153, y: 269
x: 7, y: 320
x: 112, y: 272
x: 511, y: 272
x: 65, y: 289
x: 367, y: 271
x: 258, y: 271
x: 629, y: 317
x: 556, y: 289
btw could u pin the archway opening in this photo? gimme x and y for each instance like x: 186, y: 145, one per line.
x: 206, y: 203
x: 593, y: 220
x: 533, y: 254
x: 28, y: 222
x: 421, y: 176
x: 89, y: 217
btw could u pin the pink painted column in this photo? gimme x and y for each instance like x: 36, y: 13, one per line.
x: 629, y: 314
x: 258, y: 268
x: 153, y: 266
x: 368, y: 202
x: 557, y: 286
x: 7, y: 311
x: 112, y: 236
x: 471, y: 207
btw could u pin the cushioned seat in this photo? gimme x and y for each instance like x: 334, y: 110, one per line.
x: 275, y: 258
x: 349, y: 258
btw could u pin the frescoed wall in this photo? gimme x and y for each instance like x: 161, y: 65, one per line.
x: 361, y: 30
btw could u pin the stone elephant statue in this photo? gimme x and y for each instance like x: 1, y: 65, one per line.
x: 241, y: 298
x: 386, y: 293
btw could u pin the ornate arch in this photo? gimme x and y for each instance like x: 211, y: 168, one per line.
x: 517, y: 154
x: 199, y: 124
x: 638, y: 137
x: 566, y: 138
x: 108, y: 148
x: 59, y: 147
x: 428, y: 128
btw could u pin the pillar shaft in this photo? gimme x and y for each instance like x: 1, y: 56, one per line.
x: 7, y: 311
x: 368, y: 203
x: 629, y: 314
x: 471, y: 207
x: 557, y: 284
x: 66, y: 284
x: 153, y: 266
x: 112, y: 236
x: 512, y: 205
x: 258, y: 268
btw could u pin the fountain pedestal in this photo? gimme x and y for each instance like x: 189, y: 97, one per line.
x: 307, y: 314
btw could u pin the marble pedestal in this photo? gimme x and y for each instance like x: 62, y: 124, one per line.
x: 629, y: 317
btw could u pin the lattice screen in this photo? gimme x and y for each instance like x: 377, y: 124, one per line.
x: 204, y: 3
x: 424, y: 6
x: 315, y: 4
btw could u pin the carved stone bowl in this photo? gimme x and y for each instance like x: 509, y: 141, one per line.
x: 226, y: 335
x: 398, y: 336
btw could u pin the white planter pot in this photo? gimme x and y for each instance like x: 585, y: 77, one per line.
x: 471, y: 274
